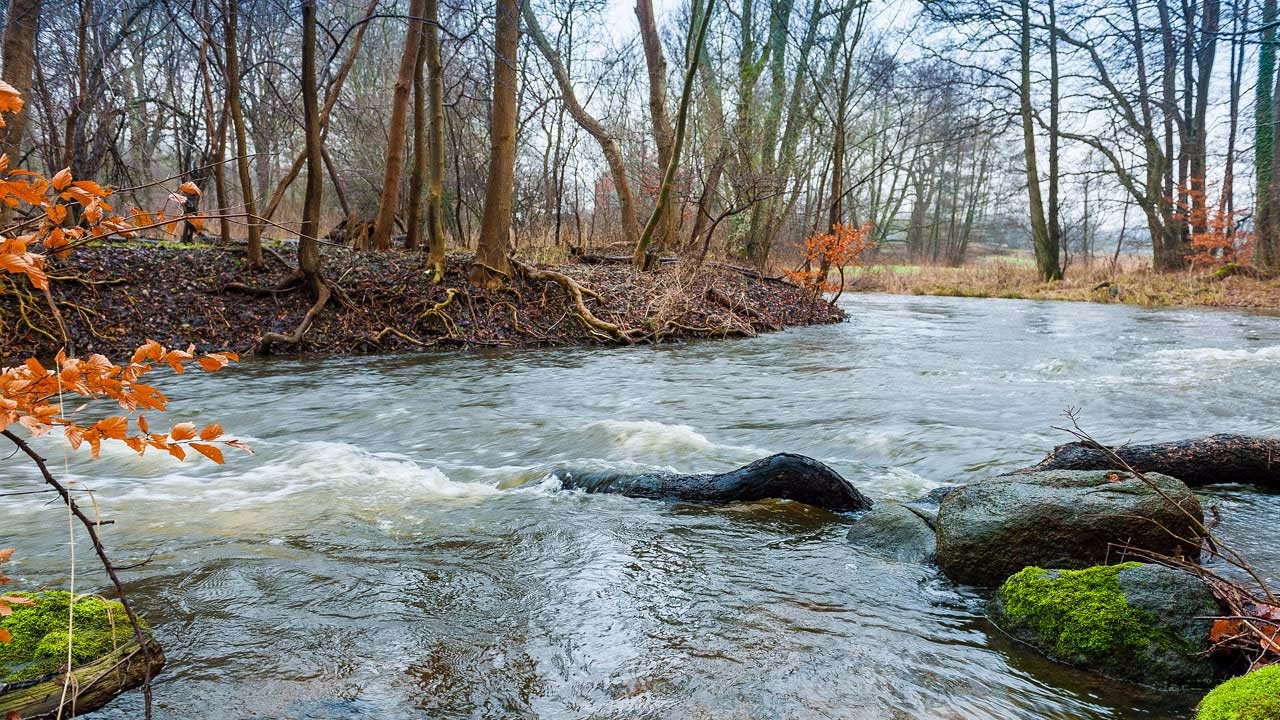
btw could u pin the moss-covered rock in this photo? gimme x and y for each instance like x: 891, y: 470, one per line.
x: 1255, y: 696
x: 1142, y: 623
x: 39, y: 632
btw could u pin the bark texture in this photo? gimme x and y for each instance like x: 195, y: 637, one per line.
x: 1208, y: 460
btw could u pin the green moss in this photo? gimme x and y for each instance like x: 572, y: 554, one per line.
x: 1082, y: 614
x: 1255, y: 696
x: 39, y: 632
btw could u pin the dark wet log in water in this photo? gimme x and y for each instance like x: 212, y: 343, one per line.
x: 782, y: 477
x: 1198, y: 461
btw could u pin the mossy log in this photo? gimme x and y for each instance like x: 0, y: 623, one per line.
x: 92, y: 685
x: 1198, y: 461
x: 784, y: 476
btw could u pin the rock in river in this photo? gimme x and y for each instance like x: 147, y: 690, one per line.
x: 1142, y: 623
x: 1061, y: 519
x: 784, y: 476
x: 896, y: 531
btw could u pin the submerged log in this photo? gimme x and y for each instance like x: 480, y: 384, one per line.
x: 91, y: 686
x: 1199, y: 461
x: 785, y: 476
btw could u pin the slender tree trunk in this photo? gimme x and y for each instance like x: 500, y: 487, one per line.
x: 1267, y: 253
x: 1054, y: 271
x: 253, y: 250
x: 1046, y: 254
x: 491, y: 266
x: 641, y: 255
x: 308, y: 238
x: 663, y: 136
x: 418, y: 178
x: 331, y: 98
x: 608, y: 145
x: 435, y: 146
x: 384, y: 223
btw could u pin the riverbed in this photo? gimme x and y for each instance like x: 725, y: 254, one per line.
x: 396, y: 547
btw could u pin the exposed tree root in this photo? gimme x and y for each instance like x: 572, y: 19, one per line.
x: 268, y: 339
x: 576, y: 292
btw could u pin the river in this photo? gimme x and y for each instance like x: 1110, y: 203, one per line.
x: 395, y: 550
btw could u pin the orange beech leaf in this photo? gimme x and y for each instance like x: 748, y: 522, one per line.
x: 142, y: 425
x: 4, y: 638
x: 209, y: 451
x: 211, y: 432
x: 189, y: 188
x: 113, y: 428
x: 177, y: 451
x: 183, y: 431
x: 10, y: 98
x: 5, y: 554
x: 61, y: 179
x: 91, y: 188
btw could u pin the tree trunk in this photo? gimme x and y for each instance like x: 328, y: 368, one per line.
x: 418, y: 178
x: 331, y: 98
x: 1267, y: 253
x: 1046, y: 254
x: 1199, y: 461
x: 17, y: 52
x: 663, y: 137
x: 253, y: 250
x: 608, y: 146
x: 491, y: 267
x: 641, y: 255
x: 308, y: 237
x: 435, y: 160
x: 384, y: 223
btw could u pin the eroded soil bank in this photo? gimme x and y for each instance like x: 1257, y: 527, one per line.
x: 113, y: 298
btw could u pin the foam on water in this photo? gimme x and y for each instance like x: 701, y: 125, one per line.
x: 632, y: 438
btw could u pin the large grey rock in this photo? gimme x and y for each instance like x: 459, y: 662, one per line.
x: 1143, y: 623
x: 895, y: 531
x: 1061, y: 519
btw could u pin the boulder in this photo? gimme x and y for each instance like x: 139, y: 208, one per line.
x: 784, y: 476
x: 1142, y: 623
x: 1062, y: 519
x: 1255, y: 696
x: 897, y: 532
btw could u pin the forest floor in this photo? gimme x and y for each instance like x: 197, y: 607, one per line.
x: 113, y: 298
x: 998, y: 279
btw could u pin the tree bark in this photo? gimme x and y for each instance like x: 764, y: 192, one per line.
x: 641, y: 255
x: 663, y: 137
x: 308, y: 240
x: 491, y: 267
x: 1046, y: 254
x: 418, y: 178
x: 17, y: 51
x: 1267, y: 253
x: 1200, y: 461
x: 253, y: 249
x: 384, y: 223
x: 435, y: 169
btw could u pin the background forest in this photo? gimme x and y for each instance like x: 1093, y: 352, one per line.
x: 1083, y: 130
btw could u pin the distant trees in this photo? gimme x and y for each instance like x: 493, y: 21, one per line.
x: 801, y: 115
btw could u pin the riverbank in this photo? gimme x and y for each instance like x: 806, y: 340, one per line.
x: 999, y: 279
x: 113, y: 298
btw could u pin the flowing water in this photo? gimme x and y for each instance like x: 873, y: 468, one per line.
x: 395, y: 549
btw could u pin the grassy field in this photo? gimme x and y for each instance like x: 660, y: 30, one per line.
x: 997, y: 277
